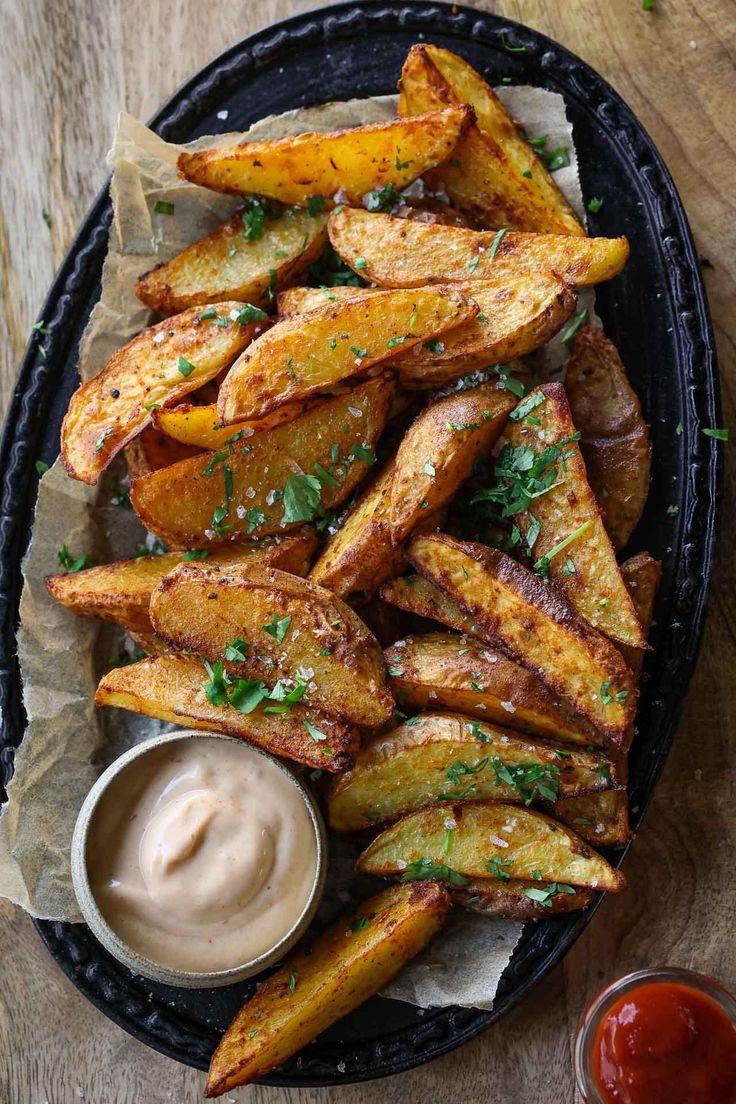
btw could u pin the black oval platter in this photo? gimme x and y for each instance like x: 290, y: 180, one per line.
x: 656, y: 313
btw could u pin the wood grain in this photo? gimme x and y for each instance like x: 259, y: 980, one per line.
x: 65, y: 71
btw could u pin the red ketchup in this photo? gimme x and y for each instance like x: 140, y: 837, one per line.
x: 665, y: 1043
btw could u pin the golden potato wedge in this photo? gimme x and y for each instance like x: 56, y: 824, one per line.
x: 440, y: 757
x: 571, y: 545
x: 290, y: 626
x: 152, y: 450
x: 302, y: 300
x: 395, y: 252
x: 614, y: 436
x: 308, y: 354
x: 360, y: 556
x: 239, y: 260
x: 602, y: 819
x: 317, y: 986
x: 535, y: 625
x: 279, y: 480
x: 477, y: 839
x: 121, y: 592
x: 200, y: 425
x: 171, y: 687
x: 439, y: 450
x: 304, y: 166
x: 518, y: 314
x: 509, y: 898
x: 159, y: 366
x: 494, y: 173
x: 641, y: 575
x: 445, y: 671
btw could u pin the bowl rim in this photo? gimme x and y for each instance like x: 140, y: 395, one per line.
x: 123, y: 951
x: 602, y: 1002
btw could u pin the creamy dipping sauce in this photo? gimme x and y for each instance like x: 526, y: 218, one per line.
x: 202, y: 854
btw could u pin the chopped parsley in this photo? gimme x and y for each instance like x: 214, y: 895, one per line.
x: 362, y: 453
x: 579, y: 319
x: 473, y: 263
x: 195, y: 554
x: 382, y: 199
x: 314, y: 732
x: 235, y: 652
x: 557, y: 158
x: 185, y: 366
x: 434, y: 346
x: 41, y: 467
x: 359, y: 923
x: 315, y: 205
x: 252, y: 220
x: 360, y: 263
x: 423, y: 869
x: 429, y: 469
x: 302, y: 498
x: 161, y: 207
x: 277, y: 627
x: 609, y: 695
x: 716, y: 434
x: 531, y: 402
x: 69, y: 562
x: 496, y: 866
x: 542, y: 565
x: 530, y: 780
x: 248, y: 313
x: 544, y: 894
x: 497, y: 239
x: 594, y: 205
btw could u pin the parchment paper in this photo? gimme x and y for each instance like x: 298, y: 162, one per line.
x: 67, y: 743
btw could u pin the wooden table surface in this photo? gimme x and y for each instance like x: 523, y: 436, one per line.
x: 66, y: 69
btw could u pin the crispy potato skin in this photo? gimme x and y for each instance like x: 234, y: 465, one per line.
x: 310, y: 353
x: 484, y: 177
x: 535, y: 842
x: 152, y: 450
x: 200, y: 425
x: 407, y: 769
x: 400, y: 253
x: 517, y: 315
x: 177, y: 504
x: 614, y: 436
x: 595, y: 588
x: 294, y: 169
x: 204, y: 609
x: 439, y: 450
x: 170, y: 687
x: 534, y: 624
x: 110, y: 409
x: 603, y: 819
x: 346, y: 965
x: 227, y: 265
x: 121, y: 592
x: 506, y: 899
x: 360, y: 556
x: 442, y: 670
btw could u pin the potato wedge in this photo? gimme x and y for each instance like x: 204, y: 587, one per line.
x: 494, y: 174
x: 171, y: 687
x: 641, y: 575
x: 518, y: 314
x: 290, y: 627
x: 400, y: 253
x: 514, y: 608
x: 445, y: 671
x: 273, y: 485
x: 160, y: 365
x: 614, y: 436
x: 200, y: 425
x: 234, y: 262
x: 601, y: 819
x: 585, y: 570
x: 302, y: 300
x: 121, y: 592
x: 317, y: 986
x: 439, y: 450
x: 440, y: 757
x: 360, y: 556
x: 474, y: 840
x: 152, y: 450
x: 308, y: 354
x: 508, y: 898
x: 354, y: 161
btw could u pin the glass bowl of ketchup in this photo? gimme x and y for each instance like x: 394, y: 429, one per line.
x: 658, y: 1036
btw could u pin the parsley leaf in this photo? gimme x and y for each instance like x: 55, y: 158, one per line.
x: 235, y: 652
x: 315, y: 733
x: 277, y: 627
x: 423, y: 869
x: 69, y: 562
x: 302, y: 498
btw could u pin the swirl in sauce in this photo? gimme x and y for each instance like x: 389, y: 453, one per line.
x: 202, y: 855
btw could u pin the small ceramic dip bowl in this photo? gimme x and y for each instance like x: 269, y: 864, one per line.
x: 198, y: 860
